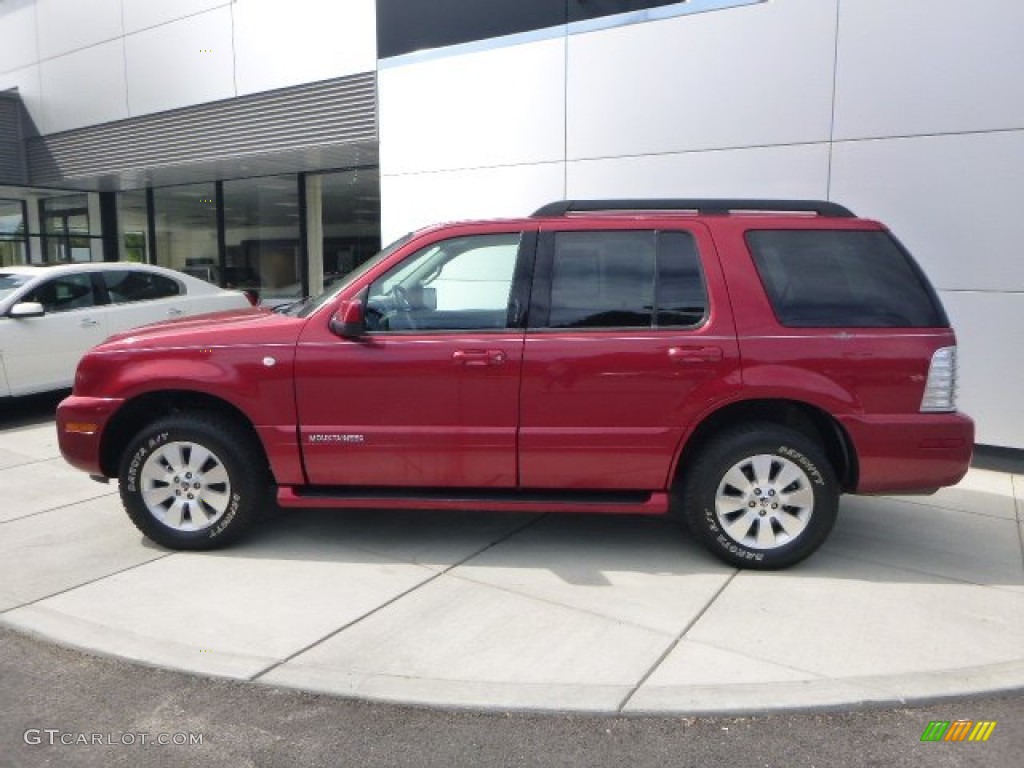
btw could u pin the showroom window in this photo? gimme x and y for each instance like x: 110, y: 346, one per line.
x: 65, y: 235
x: 280, y: 236
x: 351, y: 220
x: 133, y: 226
x: 185, y: 229
x: 262, y: 237
x: 13, y: 235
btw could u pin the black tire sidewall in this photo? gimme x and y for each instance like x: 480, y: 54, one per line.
x: 704, y: 477
x: 232, y: 449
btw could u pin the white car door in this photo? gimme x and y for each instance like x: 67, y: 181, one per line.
x: 41, y: 353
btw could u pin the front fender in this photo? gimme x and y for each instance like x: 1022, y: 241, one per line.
x: 258, y: 381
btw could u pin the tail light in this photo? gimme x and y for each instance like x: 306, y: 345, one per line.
x: 940, y: 389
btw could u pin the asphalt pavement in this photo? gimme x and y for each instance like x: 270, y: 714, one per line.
x: 45, y: 688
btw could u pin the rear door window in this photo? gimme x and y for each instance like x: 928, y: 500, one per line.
x: 130, y: 285
x: 625, y: 279
x: 843, y: 278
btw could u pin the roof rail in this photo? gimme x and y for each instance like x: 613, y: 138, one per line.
x: 702, y: 206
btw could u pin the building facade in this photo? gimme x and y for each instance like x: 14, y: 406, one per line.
x: 271, y: 145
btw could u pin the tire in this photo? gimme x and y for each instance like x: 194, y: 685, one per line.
x: 193, y: 481
x: 760, y: 496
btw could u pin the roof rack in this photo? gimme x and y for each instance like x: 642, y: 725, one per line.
x: 702, y: 206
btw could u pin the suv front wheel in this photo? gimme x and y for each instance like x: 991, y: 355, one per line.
x: 760, y: 496
x: 193, y: 481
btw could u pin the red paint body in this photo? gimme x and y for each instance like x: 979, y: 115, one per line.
x: 594, y: 410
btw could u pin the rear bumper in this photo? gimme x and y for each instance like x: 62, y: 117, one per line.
x: 914, y: 453
x: 80, y: 424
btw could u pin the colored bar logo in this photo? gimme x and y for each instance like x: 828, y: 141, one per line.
x: 959, y: 730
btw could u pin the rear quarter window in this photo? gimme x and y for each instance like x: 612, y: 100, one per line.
x: 129, y: 285
x: 843, y: 278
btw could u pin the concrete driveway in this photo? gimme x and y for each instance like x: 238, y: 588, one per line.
x: 911, y: 599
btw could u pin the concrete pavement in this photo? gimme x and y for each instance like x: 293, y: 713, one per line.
x: 910, y: 599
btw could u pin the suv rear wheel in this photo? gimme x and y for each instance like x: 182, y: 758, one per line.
x: 761, y: 496
x: 193, y: 481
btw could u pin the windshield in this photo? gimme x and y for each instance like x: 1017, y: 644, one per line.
x: 10, y: 282
x: 308, y: 306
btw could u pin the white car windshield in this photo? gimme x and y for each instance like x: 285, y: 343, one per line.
x: 10, y: 282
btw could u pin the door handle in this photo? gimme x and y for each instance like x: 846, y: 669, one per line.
x: 174, y: 311
x: 87, y: 322
x: 478, y: 358
x: 695, y: 354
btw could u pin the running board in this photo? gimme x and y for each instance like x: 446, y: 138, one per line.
x: 492, y: 500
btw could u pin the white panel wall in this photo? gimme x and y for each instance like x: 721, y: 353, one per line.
x: 142, y: 14
x: 68, y: 25
x: 954, y: 200
x: 70, y: 93
x: 929, y: 66
x: 794, y: 171
x: 185, y: 62
x: 18, y: 42
x: 988, y: 327
x: 280, y: 44
x: 30, y: 88
x: 498, y: 107
x: 749, y: 76
x: 416, y: 200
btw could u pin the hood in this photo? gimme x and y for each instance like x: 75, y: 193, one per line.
x: 252, y: 325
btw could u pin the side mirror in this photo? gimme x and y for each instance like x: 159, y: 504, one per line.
x: 27, y: 309
x: 349, y: 321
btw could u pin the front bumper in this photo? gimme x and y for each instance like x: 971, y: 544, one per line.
x: 917, y: 453
x: 80, y: 425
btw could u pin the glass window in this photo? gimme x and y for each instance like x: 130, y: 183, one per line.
x: 603, y: 280
x: 186, y: 229
x: 65, y: 293
x: 682, y: 297
x: 131, y: 285
x: 132, y: 226
x: 351, y: 220
x: 842, y: 278
x: 261, y: 220
x: 13, y: 248
x: 9, y: 283
x: 626, y: 279
x: 65, y: 223
x: 458, y: 284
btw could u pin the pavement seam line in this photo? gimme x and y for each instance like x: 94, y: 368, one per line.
x: 926, y: 505
x: 802, y: 671
x: 921, y: 572
x: 672, y: 646
x: 87, y: 583
x: 434, y: 577
x: 55, y: 509
x: 556, y: 604
x: 29, y: 463
x: 1017, y: 484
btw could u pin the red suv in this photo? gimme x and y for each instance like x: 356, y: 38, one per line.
x: 738, y: 363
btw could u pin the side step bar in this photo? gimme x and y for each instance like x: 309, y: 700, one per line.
x: 492, y: 500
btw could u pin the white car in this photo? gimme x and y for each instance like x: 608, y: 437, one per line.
x: 50, y: 316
